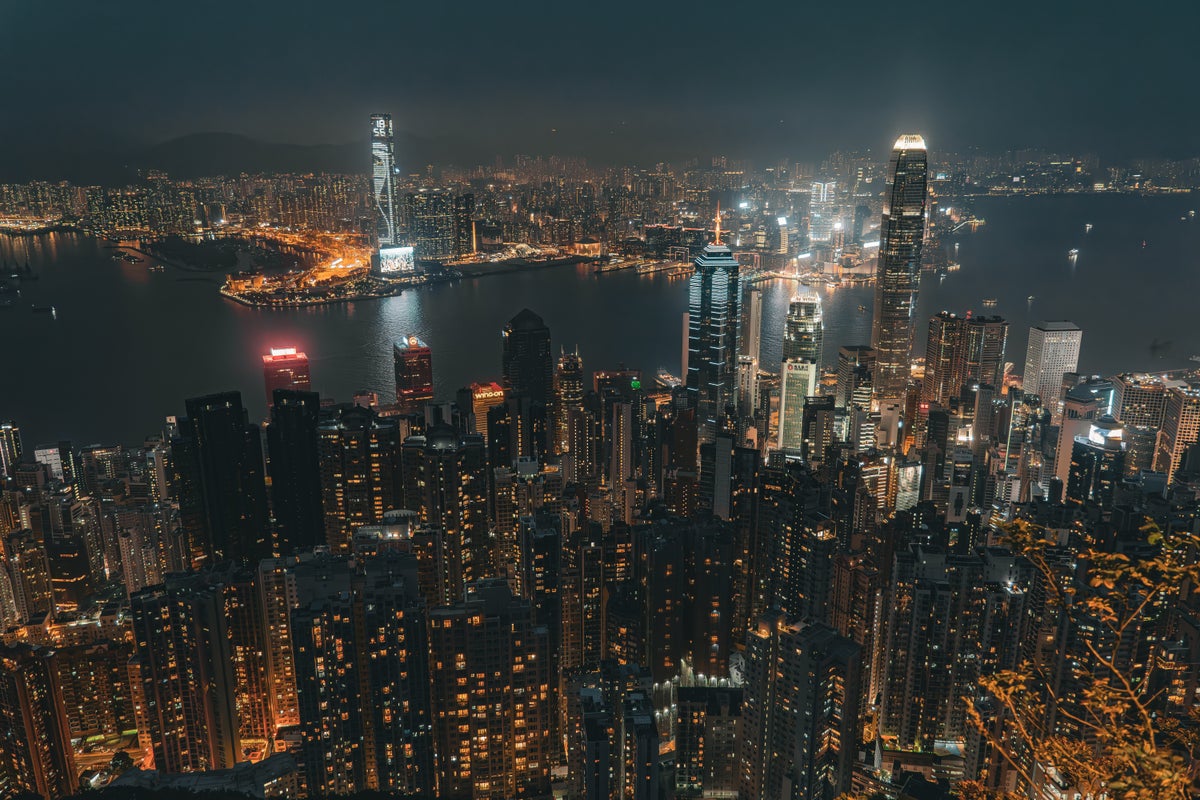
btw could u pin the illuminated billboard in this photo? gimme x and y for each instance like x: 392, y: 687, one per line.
x: 395, y: 260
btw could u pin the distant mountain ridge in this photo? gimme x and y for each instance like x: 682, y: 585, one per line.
x: 113, y: 162
x: 214, y: 153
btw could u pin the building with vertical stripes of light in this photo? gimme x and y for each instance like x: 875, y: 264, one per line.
x: 383, y: 179
x: 713, y: 317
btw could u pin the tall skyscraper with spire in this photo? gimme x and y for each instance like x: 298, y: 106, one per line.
x: 712, y: 334
x: 383, y: 179
x: 898, y: 272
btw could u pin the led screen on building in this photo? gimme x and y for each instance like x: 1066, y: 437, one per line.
x: 394, y: 260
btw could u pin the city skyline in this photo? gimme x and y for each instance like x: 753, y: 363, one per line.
x: 404, y: 479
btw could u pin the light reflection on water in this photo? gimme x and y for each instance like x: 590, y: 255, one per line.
x: 129, y: 345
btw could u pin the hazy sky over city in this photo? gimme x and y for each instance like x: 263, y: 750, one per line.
x: 611, y: 80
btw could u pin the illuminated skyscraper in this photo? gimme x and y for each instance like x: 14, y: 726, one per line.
x: 960, y: 350
x: 1140, y: 403
x: 285, y: 368
x: 444, y: 479
x: 362, y: 675
x: 413, y: 361
x: 477, y: 399
x: 359, y: 455
x: 186, y: 667
x: 28, y: 567
x: 383, y: 179
x: 713, y: 316
x: 1053, y: 351
x: 439, y: 223
x: 1181, y: 426
x: 36, y: 756
x: 804, y: 330
x: 819, y: 416
x: 708, y: 724
x: 822, y: 210
x: 491, y: 675
x: 855, y: 368
x: 800, y: 711
x: 898, y: 271
x: 568, y: 398
x: 10, y: 447
x: 799, y: 381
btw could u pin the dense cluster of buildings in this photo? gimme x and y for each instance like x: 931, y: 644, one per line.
x: 756, y: 581
x: 453, y: 213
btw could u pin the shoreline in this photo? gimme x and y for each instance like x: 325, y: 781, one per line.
x: 323, y: 301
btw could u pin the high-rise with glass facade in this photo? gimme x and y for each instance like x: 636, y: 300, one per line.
x: 898, y: 271
x: 804, y: 331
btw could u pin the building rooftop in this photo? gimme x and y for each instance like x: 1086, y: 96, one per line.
x: 411, y: 342
x: 1056, y: 325
x: 910, y: 141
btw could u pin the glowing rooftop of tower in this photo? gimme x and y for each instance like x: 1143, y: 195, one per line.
x: 910, y: 141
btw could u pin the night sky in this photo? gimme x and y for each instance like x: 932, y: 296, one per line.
x: 608, y: 80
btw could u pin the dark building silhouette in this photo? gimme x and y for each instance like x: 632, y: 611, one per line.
x: 1097, y: 464
x: 528, y: 362
x: 295, y: 470
x: 222, y: 495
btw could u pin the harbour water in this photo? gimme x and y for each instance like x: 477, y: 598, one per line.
x: 127, y: 345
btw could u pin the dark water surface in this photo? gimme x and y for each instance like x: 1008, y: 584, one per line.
x: 129, y: 345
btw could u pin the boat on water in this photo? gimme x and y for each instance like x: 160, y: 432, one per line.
x: 51, y: 310
x: 953, y: 266
x: 990, y: 302
x: 862, y: 309
x: 1087, y: 228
